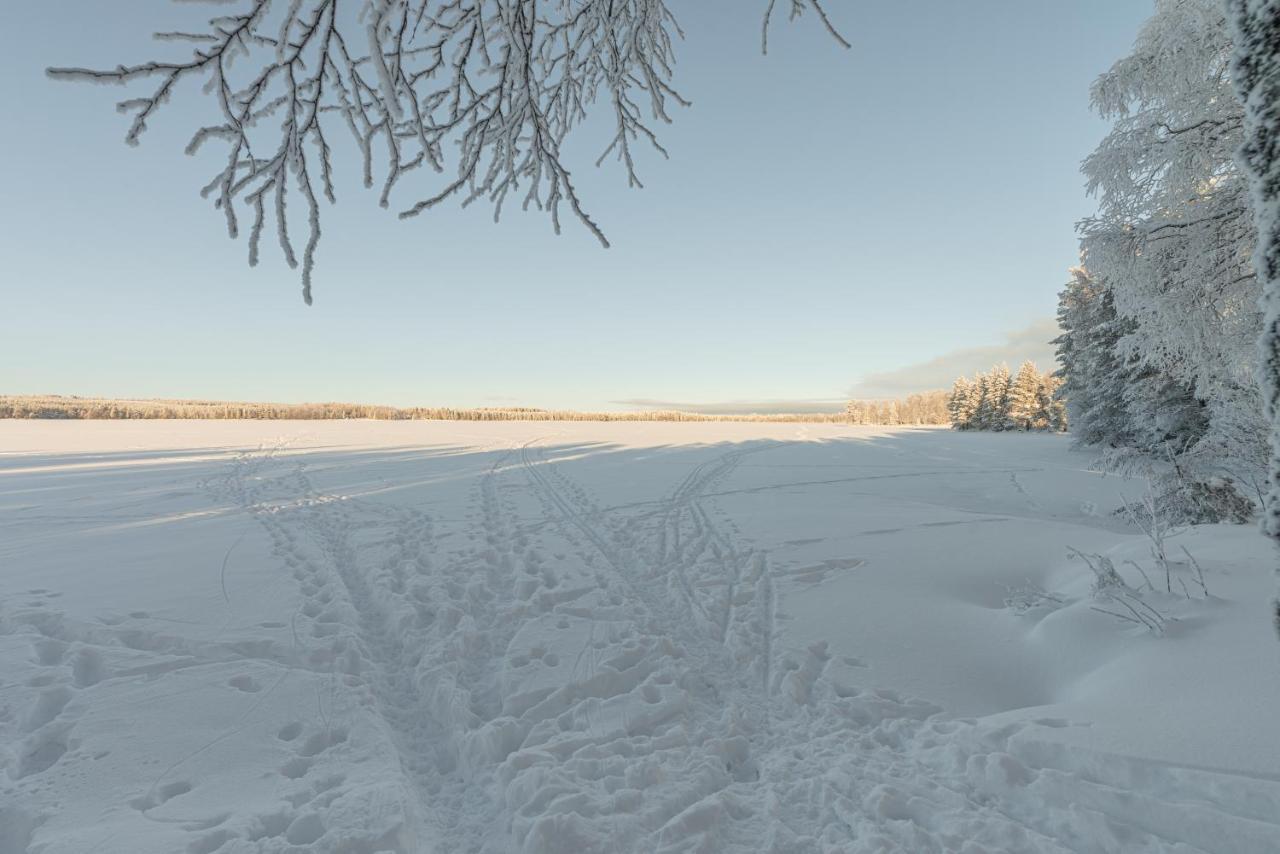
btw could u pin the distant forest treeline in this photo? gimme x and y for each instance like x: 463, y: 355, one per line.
x: 917, y: 409
x: 929, y: 407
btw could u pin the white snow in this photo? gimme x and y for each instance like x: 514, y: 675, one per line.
x: 447, y: 637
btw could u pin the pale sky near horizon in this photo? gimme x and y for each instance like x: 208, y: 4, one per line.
x: 830, y: 222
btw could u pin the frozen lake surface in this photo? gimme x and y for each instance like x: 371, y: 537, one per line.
x: 410, y: 637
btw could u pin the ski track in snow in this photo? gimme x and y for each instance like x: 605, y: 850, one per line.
x: 582, y: 679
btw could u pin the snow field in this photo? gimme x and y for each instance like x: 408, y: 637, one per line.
x: 425, y: 637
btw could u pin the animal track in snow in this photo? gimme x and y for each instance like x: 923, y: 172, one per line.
x: 48, y: 706
x: 246, y: 683
x: 87, y: 667
x: 43, y: 749
x: 322, y: 741
x: 296, y: 767
x: 210, y: 843
x: 160, y: 795
x: 50, y: 651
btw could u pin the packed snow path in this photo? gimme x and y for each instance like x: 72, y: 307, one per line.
x: 501, y: 638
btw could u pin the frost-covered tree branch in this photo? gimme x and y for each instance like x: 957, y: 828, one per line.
x: 482, y: 92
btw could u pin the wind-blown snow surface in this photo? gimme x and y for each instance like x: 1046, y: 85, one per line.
x: 450, y: 637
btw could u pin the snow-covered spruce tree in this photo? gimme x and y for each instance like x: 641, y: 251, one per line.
x: 1171, y: 248
x: 1167, y: 417
x: 1094, y: 376
x: 1051, y: 410
x: 962, y: 404
x: 990, y: 408
x: 993, y: 401
x: 1001, y: 381
x: 953, y: 399
x: 971, y: 402
x: 981, y: 391
x: 1144, y: 421
x: 974, y: 402
x: 484, y: 92
x: 1024, y: 409
x: 1255, y: 71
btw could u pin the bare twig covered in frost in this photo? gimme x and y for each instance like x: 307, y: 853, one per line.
x: 1104, y: 571
x: 1199, y: 571
x: 1152, y: 523
x: 1145, y: 578
x: 1030, y: 597
x: 483, y: 92
x: 1109, y: 588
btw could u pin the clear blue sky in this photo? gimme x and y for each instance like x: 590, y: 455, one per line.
x: 827, y: 215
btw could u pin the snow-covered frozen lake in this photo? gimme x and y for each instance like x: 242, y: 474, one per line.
x: 413, y: 637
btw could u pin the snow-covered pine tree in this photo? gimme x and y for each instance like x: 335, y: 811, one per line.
x: 1024, y: 408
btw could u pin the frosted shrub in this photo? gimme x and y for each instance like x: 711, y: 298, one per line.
x: 1113, y: 596
x: 1031, y: 599
x: 1210, y: 501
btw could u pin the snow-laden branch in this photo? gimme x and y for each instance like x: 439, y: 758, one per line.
x: 485, y: 92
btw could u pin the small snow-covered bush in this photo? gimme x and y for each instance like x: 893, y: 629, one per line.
x: 1031, y: 599
x: 1159, y: 524
x: 1211, y: 501
x: 1186, y: 488
x: 1113, y: 596
x: 1105, y: 576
